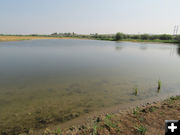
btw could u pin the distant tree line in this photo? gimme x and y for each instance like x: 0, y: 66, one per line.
x: 114, y: 37
x: 120, y: 36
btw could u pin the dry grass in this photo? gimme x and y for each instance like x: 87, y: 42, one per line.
x: 19, y: 38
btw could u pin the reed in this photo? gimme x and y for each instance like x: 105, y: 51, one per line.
x: 136, y: 91
x: 159, y: 86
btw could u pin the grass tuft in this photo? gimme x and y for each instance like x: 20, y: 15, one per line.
x: 95, y: 129
x: 141, y: 129
x: 59, y: 132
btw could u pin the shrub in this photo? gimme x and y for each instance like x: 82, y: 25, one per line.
x: 177, y: 38
x: 166, y: 37
x: 119, y: 36
x: 145, y: 37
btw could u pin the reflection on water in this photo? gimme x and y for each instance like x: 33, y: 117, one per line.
x: 56, y: 80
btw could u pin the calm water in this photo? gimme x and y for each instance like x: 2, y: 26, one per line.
x: 56, y: 80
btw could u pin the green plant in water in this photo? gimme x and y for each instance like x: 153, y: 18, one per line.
x: 159, y: 85
x: 136, y: 91
x: 141, y: 129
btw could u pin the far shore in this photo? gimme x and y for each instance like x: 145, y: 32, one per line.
x: 8, y: 38
x: 21, y: 38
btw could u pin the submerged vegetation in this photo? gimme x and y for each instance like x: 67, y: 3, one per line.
x: 163, y: 38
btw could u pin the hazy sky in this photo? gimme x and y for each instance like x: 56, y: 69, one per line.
x: 88, y: 16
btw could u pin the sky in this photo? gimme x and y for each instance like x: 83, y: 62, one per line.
x: 89, y: 16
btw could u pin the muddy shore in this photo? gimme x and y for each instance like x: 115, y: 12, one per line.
x: 145, y: 119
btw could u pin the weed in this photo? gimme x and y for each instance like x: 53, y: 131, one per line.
x: 175, y: 98
x: 108, y: 116
x: 136, y: 111
x: 95, y: 129
x: 109, y: 123
x: 141, y: 119
x: 58, y: 132
x: 141, y: 129
x: 152, y: 109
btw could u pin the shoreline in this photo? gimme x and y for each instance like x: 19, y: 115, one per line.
x: 86, y: 121
x: 23, y: 38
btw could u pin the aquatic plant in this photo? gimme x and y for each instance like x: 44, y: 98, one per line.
x: 136, y: 91
x: 159, y: 86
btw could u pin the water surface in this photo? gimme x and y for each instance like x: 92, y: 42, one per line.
x: 42, y: 81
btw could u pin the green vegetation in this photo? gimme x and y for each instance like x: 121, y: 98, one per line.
x: 59, y: 132
x: 159, y: 85
x: 141, y: 129
x: 119, y: 36
x: 95, y: 129
x: 136, y: 91
x: 152, y: 109
x: 110, y: 124
x: 136, y: 111
x: 163, y: 38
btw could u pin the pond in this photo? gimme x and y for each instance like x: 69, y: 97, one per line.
x: 45, y: 81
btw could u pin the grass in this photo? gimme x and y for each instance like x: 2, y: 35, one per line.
x: 155, y: 41
x: 95, y: 129
x: 152, y: 109
x: 108, y: 122
x: 21, y: 38
x: 59, y: 132
x: 108, y: 116
x: 141, y: 129
x: 141, y: 119
x: 172, y: 99
x: 136, y: 111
